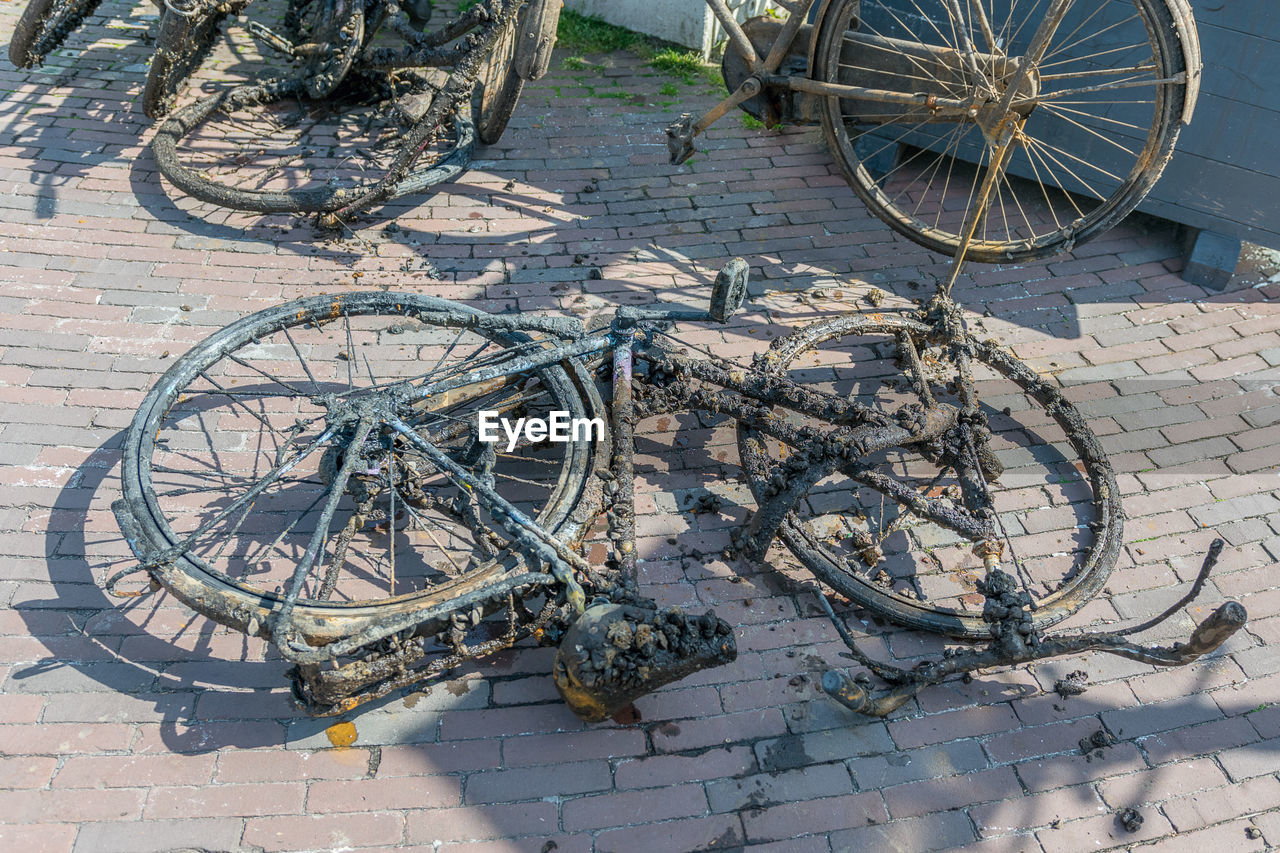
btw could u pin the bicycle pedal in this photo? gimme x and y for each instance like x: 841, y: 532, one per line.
x: 680, y: 139
x: 411, y: 107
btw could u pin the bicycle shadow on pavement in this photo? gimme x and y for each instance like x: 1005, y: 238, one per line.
x: 142, y: 659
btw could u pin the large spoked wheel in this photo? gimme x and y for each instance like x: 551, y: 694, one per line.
x: 183, y: 42
x: 1093, y: 115
x: 500, y: 85
x: 267, y: 148
x: 241, y: 414
x: 44, y: 26
x: 522, y: 52
x: 1056, y: 500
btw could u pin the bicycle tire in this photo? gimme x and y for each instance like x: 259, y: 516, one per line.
x: 1077, y: 587
x: 522, y: 53
x: 443, y: 166
x: 44, y: 26
x: 500, y: 86
x: 182, y: 44
x: 157, y: 440
x: 1059, y: 199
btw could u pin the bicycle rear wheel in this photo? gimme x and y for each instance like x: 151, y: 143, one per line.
x: 521, y: 53
x: 406, y: 539
x: 44, y: 26
x: 1097, y: 116
x: 500, y: 85
x: 1062, y: 531
x: 183, y: 42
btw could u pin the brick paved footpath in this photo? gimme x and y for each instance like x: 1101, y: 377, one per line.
x: 135, y: 727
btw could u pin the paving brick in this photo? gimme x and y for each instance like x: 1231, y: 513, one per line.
x: 1251, y: 760
x: 577, y: 746
x: 766, y: 789
x: 864, y: 739
x: 1100, y: 833
x: 662, y: 770
x: 1160, y: 716
x: 1066, y: 770
x: 936, y: 728
x: 367, y: 795
x: 633, y: 807
x: 157, y: 836
x: 936, y: 795
x: 1161, y: 783
x: 239, y: 800
x: 715, y: 832
x: 280, y: 766
x: 506, y: 820
x: 1213, y: 806
x: 818, y: 815
x: 125, y: 771
x: 501, y: 786
x: 31, y: 806
x: 1036, y: 810
x: 1224, y: 836
x: 944, y: 831
x: 39, y: 837
x: 325, y: 832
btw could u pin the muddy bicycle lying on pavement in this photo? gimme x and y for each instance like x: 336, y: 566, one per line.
x: 319, y: 475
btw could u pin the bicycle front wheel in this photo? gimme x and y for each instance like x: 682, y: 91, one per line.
x: 44, y: 26
x: 203, y: 480
x: 863, y: 531
x: 1094, y: 112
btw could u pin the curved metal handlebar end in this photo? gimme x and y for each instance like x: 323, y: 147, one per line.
x: 840, y: 687
x: 1213, y: 631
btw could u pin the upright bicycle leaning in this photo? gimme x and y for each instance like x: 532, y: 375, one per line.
x: 323, y: 475
x: 1067, y: 110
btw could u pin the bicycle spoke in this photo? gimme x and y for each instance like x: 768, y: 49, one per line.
x: 1048, y: 155
x: 1100, y: 32
x: 1031, y: 155
x: 1093, y: 133
x: 306, y: 368
x: 293, y: 391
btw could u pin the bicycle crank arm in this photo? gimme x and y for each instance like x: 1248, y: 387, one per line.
x: 1207, y: 637
x: 680, y: 134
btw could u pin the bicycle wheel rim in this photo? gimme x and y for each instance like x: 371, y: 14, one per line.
x: 182, y: 45
x: 922, y: 191
x: 500, y: 85
x: 1092, y: 569
x: 231, y: 601
x: 442, y: 166
x: 44, y: 26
